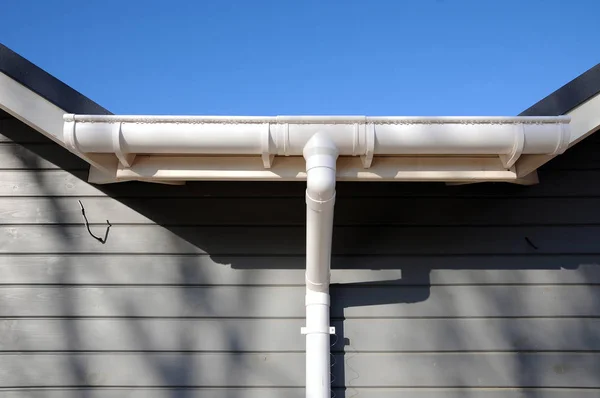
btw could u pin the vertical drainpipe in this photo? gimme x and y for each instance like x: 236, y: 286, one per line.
x: 321, y: 154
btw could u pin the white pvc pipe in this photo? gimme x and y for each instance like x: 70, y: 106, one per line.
x: 321, y: 154
x: 318, y: 376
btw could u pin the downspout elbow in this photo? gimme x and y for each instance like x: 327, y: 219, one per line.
x: 321, y: 155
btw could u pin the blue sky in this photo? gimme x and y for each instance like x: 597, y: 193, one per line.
x: 269, y: 57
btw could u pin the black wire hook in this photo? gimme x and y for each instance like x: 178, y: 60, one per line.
x: 87, y: 225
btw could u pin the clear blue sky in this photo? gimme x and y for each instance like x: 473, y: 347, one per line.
x: 268, y: 57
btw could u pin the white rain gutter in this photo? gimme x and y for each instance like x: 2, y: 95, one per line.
x: 431, y: 148
x: 320, y: 140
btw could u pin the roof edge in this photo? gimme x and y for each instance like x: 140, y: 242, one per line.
x: 45, y: 85
x: 569, y: 96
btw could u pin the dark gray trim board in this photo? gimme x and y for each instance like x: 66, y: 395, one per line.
x: 569, y: 96
x: 46, y: 85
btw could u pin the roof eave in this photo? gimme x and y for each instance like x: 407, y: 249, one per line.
x: 39, y: 100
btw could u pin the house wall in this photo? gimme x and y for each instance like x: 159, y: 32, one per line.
x: 482, y: 291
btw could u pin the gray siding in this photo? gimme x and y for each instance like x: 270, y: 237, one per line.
x: 484, y: 291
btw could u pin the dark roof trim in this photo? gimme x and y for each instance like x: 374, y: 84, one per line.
x: 569, y: 96
x: 46, y: 85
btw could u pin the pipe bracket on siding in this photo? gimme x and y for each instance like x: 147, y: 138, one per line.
x: 305, y: 330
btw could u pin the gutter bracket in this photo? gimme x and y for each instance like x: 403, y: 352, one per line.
x: 511, y: 158
x: 282, y: 136
x: 367, y: 158
x: 126, y: 159
x: 267, y: 157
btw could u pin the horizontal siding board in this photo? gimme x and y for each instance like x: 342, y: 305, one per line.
x: 64, y: 183
x: 282, y: 301
x: 289, y: 270
x: 45, y: 183
x: 297, y: 392
x: 291, y: 211
x: 287, y: 370
x: 291, y: 240
x: 493, y: 334
x: 38, y: 157
x: 282, y: 335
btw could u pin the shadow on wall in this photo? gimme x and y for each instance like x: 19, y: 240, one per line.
x: 422, y: 245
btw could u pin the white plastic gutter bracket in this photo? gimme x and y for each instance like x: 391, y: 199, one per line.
x: 511, y: 158
x: 266, y: 155
x: 367, y: 158
x: 126, y: 159
x: 282, y: 136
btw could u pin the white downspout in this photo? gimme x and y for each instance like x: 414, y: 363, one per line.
x: 321, y: 155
